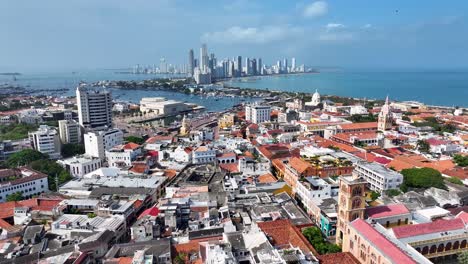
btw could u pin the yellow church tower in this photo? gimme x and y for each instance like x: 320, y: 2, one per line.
x: 184, y: 129
x: 351, y: 203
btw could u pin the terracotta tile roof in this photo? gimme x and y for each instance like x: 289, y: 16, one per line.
x: 230, y: 167
x: 35, y: 204
x: 131, y: 146
x: 379, y: 241
x: 190, y: 248
x: 428, y: 228
x: 278, y: 163
x: 275, y: 151
x: 386, y: 210
x: 226, y: 155
x: 125, y: 260
x: 159, y: 138
x: 458, y: 172
x: 325, y: 143
x: 299, y: 165
x: 170, y: 173
x: 359, y: 135
x: 284, y: 234
x: 354, y: 126
x: 338, y: 258
x: 421, y: 162
x: 266, y: 178
x: 139, y: 168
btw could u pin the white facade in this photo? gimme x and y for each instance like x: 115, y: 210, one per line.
x: 27, y: 181
x: 315, y: 99
x: 203, y: 154
x: 96, y: 143
x: 94, y: 108
x: 379, y: 178
x: 249, y: 166
x: 122, y: 155
x: 257, y: 113
x: 162, y: 106
x: 46, y: 140
x: 70, y: 131
x: 78, y: 166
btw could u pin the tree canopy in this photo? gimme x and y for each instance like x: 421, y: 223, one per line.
x: 422, y: 178
x: 17, y: 196
x: 134, y: 139
x: 70, y: 150
x: 315, y: 237
x: 24, y: 157
x: 460, y: 160
x: 52, y: 169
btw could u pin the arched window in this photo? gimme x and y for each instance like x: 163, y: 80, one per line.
x: 463, y: 244
x: 418, y: 249
x: 425, y: 250
x: 456, y: 245
x: 357, y: 191
x: 433, y: 249
x: 440, y: 248
x: 356, y: 203
x: 355, y: 216
x: 448, y: 246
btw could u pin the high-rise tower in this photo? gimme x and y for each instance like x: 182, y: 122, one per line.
x: 191, y: 62
x: 94, y: 108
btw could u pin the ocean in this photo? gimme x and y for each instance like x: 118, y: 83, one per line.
x: 448, y: 88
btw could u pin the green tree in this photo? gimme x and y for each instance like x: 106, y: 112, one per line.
x: 70, y: 150
x: 462, y: 258
x: 91, y: 215
x: 134, y: 139
x: 374, y: 195
x: 422, y: 178
x: 16, y: 131
x: 423, y: 146
x: 315, y: 237
x: 17, y: 196
x: 53, y: 170
x: 24, y: 157
x: 392, y: 192
x: 460, y: 160
x: 455, y: 180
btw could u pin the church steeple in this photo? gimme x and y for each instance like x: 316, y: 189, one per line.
x: 385, y: 117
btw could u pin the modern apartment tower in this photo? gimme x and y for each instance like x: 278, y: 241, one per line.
x: 191, y: 62
x: 94, y: 108
x: 239, y: 66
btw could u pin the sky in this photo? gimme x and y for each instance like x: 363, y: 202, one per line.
x: 94, y: 34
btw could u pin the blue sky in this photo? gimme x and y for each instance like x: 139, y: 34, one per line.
x: 89, y: 34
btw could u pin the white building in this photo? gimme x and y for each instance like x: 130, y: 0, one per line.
x: 203, y: 154
x: 96, y: 143
x: 78, y: 166
x: 379, y: 178
x: 249, y: 166
x: 70, y: 132
x: 123, y: 155
x: 94, y: 108
x: 257, y: 113
x: 312, y: 190
x: 315, y: 99
x: 46, y: 140
x: 24, y: 180
x: 162, y: 106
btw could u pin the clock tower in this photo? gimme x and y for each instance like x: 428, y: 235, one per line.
x: 351, y: 203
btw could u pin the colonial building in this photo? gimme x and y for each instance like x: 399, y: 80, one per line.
x: 351, y: 204
x: 385, y: 117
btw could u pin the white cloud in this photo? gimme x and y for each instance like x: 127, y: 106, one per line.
x: 332, y: 26
x: 251, y: 34
x: 336, y: 36
x: 316, y: 9
x: 367, y: 26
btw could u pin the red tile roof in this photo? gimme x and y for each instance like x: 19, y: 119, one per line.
x: 283, y: 233
x: 394, y: 253
x: 131, y: 146
x: 230, y: 167
x: 428, y: 228
x: 354, y: 126
x: 386, y: 211
x: 36, y: 204
x: 266, y: 178
x: 153, y: 211
x: 463, y: 216
x: 299, y: 165
x: 338, y: 258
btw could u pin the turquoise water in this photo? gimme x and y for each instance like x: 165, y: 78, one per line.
x: 430, y: 87
x: 448, y: 88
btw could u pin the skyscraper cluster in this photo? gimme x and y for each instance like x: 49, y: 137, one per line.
x: 207, y: 67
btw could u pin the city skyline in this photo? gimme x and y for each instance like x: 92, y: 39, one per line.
x: 115, y: 34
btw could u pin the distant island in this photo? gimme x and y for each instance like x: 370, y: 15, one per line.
x: 10, y: 73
